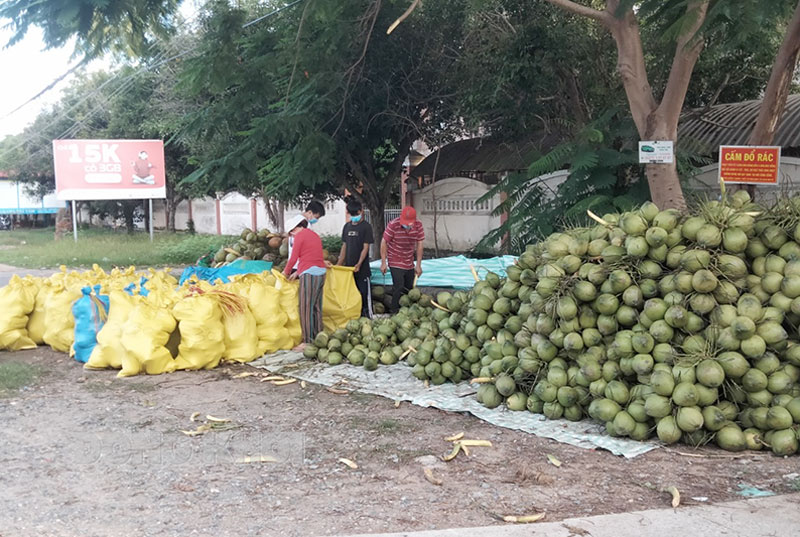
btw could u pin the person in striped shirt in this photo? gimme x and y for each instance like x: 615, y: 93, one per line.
x: 402, y: 238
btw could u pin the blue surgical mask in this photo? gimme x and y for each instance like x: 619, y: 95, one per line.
x: 313, y: 221
x: 355, y: 219
x: 405, y: 227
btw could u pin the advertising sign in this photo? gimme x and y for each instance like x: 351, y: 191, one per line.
x: 109, y: 169
x: 654, y: 152
x: 754, y: 165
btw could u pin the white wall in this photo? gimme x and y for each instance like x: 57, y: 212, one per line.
x: 235, y: 215
x: 706, y: 182
x: 461, y: 220
x: 330, y: 224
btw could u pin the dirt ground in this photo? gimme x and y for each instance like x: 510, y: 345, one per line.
x: 84, y: 453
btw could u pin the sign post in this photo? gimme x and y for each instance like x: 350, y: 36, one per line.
x: 750, y: 165
x: 74, y: 222
x: 656, y: 152
x: 109, y: 170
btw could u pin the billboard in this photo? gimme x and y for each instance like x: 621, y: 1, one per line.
x: 109, y: 169
x: 754, y: 165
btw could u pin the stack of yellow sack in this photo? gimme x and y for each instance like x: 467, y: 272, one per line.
x: 153, y: 326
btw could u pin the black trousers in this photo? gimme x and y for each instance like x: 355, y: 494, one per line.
x: 402, y: 282
x: 364, y: 287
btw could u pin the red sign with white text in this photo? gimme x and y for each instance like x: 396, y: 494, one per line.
x: 757, y: 165
x: 109, y: 169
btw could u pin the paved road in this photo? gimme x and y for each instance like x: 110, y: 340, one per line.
x: 776, y: 516
x: 6, y: 271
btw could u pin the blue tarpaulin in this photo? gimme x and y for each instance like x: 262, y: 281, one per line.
x: 224, y: 273
x: 449, y: 271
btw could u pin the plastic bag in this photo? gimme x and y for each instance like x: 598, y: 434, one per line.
x: 59, y: 330
x: 341, y: 301
x: 264, y: 301
x: 241, y: 334
x: 109, y: 352
x: 202, y: 334
x: 36, y: 320
x: 145, y: 336
x: 225, y: 273
x: 90, y: 313
x: 17, y: 300
x: 290, y: 304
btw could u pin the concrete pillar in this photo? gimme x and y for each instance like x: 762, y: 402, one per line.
x: 218, y: 211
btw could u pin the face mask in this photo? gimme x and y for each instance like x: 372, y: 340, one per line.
x: 313, y: 221
x: 355, y: 219
x: 405, y: 227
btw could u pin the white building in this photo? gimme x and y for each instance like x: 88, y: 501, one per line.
x: 14, y: 200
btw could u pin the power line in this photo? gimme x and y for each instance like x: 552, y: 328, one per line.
x: 124, y: 87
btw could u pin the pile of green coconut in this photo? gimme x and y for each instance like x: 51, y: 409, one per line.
x: 262, y: 245
x: 656, y: 324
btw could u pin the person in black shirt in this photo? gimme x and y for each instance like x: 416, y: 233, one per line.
x: 356, y: 238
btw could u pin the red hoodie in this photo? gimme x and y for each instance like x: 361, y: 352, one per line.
x: 308, y: 250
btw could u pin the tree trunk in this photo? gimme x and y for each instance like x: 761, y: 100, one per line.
x: 274, y: 211
x: 127, y: 212
x: 774, y: 102
x: 170, y: 204
x: 378, y: 220
x: 654, y: 121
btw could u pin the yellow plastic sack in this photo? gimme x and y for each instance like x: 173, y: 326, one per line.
x: 341, y: 301
x: 241, y: 334
x: 145, y: 336
x: 202, y: 334
x: 109, y: 352
x: 290, y: 304
x: 59, y: 331
x: 36, y: 320
x: 17, y: 300
x: 264, y: 301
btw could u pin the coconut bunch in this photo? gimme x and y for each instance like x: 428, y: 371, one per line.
x: 658, y: 325
x: 368, y: 343
x: 262, y: 245
x: 451, y: 351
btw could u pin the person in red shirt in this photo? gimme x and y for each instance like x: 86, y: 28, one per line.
x: 311, y: 268
x: 401, y: 239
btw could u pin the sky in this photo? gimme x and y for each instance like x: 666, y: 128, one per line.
x: 26, y: 68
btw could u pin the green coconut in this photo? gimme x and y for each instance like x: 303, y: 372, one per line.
x: 668, y: 431
x: 731, y: 438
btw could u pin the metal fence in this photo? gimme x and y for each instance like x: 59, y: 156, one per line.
x: 388, y: 214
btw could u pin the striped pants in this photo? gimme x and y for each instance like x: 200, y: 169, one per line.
x: 311, y: 305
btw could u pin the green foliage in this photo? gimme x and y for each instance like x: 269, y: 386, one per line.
x: 128, y: 102
x: 332, y: 243
x: 189, y: 248
x: 36, y: 248
x: 126, y: 26
x: 320, y: 99
x: 604, y: 176
x: 527, y: 66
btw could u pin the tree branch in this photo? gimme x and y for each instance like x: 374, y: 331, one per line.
x: 583, y: 11
x: 774, y: 102
x: 631, y: 65
x: 687, y: 50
